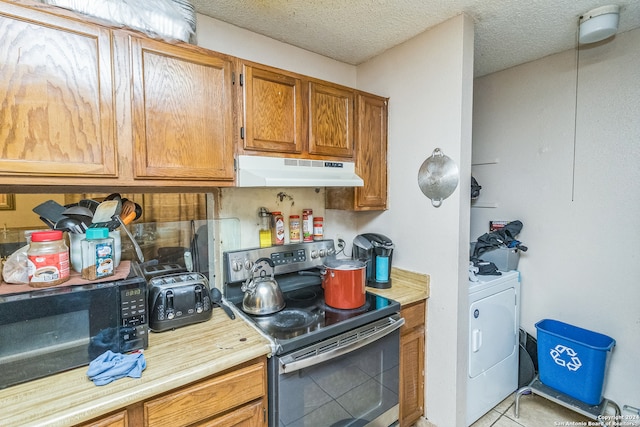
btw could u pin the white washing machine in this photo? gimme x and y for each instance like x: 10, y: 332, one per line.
x: 494, y: 322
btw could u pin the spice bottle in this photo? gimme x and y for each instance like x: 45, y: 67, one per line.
x: 265, y: 228
x: 97, y: 254
x: 307, y: 225
x: 47, y: 259
x: 318, y: 228
x: 277, y: 228
x: 294, y: 228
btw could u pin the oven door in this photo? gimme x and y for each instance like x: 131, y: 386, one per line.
x: 348, y: 380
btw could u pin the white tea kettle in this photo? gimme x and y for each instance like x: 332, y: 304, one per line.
x: 262, y: 294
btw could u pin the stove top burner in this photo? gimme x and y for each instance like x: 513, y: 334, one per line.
x: 288, y: 323
x: 346, y: 311
x: 289, y: 318
x: 304, y: 297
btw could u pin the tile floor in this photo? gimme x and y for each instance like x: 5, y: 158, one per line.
x: 535, y: 411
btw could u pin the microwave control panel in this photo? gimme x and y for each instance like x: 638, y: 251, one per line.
x: 134, y: 316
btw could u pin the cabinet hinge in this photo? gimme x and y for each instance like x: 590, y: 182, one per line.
x: 264, y: 415
x: 242, y: 132
x: 233, y: 77
x: 241, y: 79
x: 235, y: 164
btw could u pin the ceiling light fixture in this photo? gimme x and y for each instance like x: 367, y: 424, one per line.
x: 599, y: 24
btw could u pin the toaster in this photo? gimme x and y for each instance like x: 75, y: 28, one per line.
x: 177, y: 300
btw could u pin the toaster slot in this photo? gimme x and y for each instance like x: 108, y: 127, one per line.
x: 199, y: 299
x: 170, y: 304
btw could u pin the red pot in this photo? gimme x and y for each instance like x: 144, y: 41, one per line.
x: 344, y: 282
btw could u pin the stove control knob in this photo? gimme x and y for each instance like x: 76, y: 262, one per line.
x: 330, y: 251
x: 314, y: 254
x: 236, y: 265
x: 323, y: 253
x: 248, y: 264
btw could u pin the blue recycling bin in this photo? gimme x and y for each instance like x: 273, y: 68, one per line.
x: 573, y: 360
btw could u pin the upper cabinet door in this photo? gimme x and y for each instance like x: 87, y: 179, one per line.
x: 56, y: 101
x: 182, y: 112
x: 371, y: 164
x: 273, y: 118
x: 330, y: 120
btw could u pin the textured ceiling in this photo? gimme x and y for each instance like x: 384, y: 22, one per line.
x: 507, y: 32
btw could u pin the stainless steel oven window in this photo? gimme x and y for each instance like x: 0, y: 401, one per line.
x: 356, y: 388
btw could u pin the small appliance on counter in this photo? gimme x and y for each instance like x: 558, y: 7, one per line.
x: 177, y: 300
x: 46, y: 331
x: 376, y: 250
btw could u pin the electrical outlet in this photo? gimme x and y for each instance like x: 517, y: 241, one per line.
x: 341, y: 243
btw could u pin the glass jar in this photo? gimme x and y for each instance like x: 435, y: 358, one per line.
x: 47, y: 259
x: 294, y: 228
x: 97, y: 254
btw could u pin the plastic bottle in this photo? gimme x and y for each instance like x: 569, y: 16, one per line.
x: 318, y: 228
x: 294, y: 229
x: 277, y: 230
x: 97, y: 254
x: 265, y: 228
x: 47, y: 259
x: 307, y: 225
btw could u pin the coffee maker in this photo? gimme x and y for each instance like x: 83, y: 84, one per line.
x: 376, y: 250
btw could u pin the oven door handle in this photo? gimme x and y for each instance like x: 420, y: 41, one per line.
x: 295, y: 365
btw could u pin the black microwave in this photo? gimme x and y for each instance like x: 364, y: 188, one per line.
x: 46, y: 331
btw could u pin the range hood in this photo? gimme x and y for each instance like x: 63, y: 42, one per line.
x: 259, y: 171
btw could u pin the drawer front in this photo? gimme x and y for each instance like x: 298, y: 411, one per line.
x: 414, y: 316
x: 207, y: 398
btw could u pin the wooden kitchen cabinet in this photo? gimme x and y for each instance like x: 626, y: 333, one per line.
x: 210, y: 398
x: 273, y: 111
x: 182, y: 112
x: 370, y: 159
x: 412, y: 353
x: 56, y: 91
x: 295, y: 115
x: 87, y: 106
x: 331, y: 120
x: 119, y: 419
x: 235, y: 398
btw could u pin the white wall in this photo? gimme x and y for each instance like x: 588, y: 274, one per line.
x: 429, y: 81
x: 583, y: 262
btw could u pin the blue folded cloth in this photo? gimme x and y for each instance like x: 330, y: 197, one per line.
x: 110, y: 366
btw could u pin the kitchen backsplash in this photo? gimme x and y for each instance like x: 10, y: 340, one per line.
x: 244, y: 203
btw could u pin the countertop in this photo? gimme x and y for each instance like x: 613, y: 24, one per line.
x: 407, y: 287
x: 174, y: 359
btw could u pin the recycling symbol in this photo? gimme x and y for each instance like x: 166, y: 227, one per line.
x: 566, y: 356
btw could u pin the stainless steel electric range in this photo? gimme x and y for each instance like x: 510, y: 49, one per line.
x: 329, y: 367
